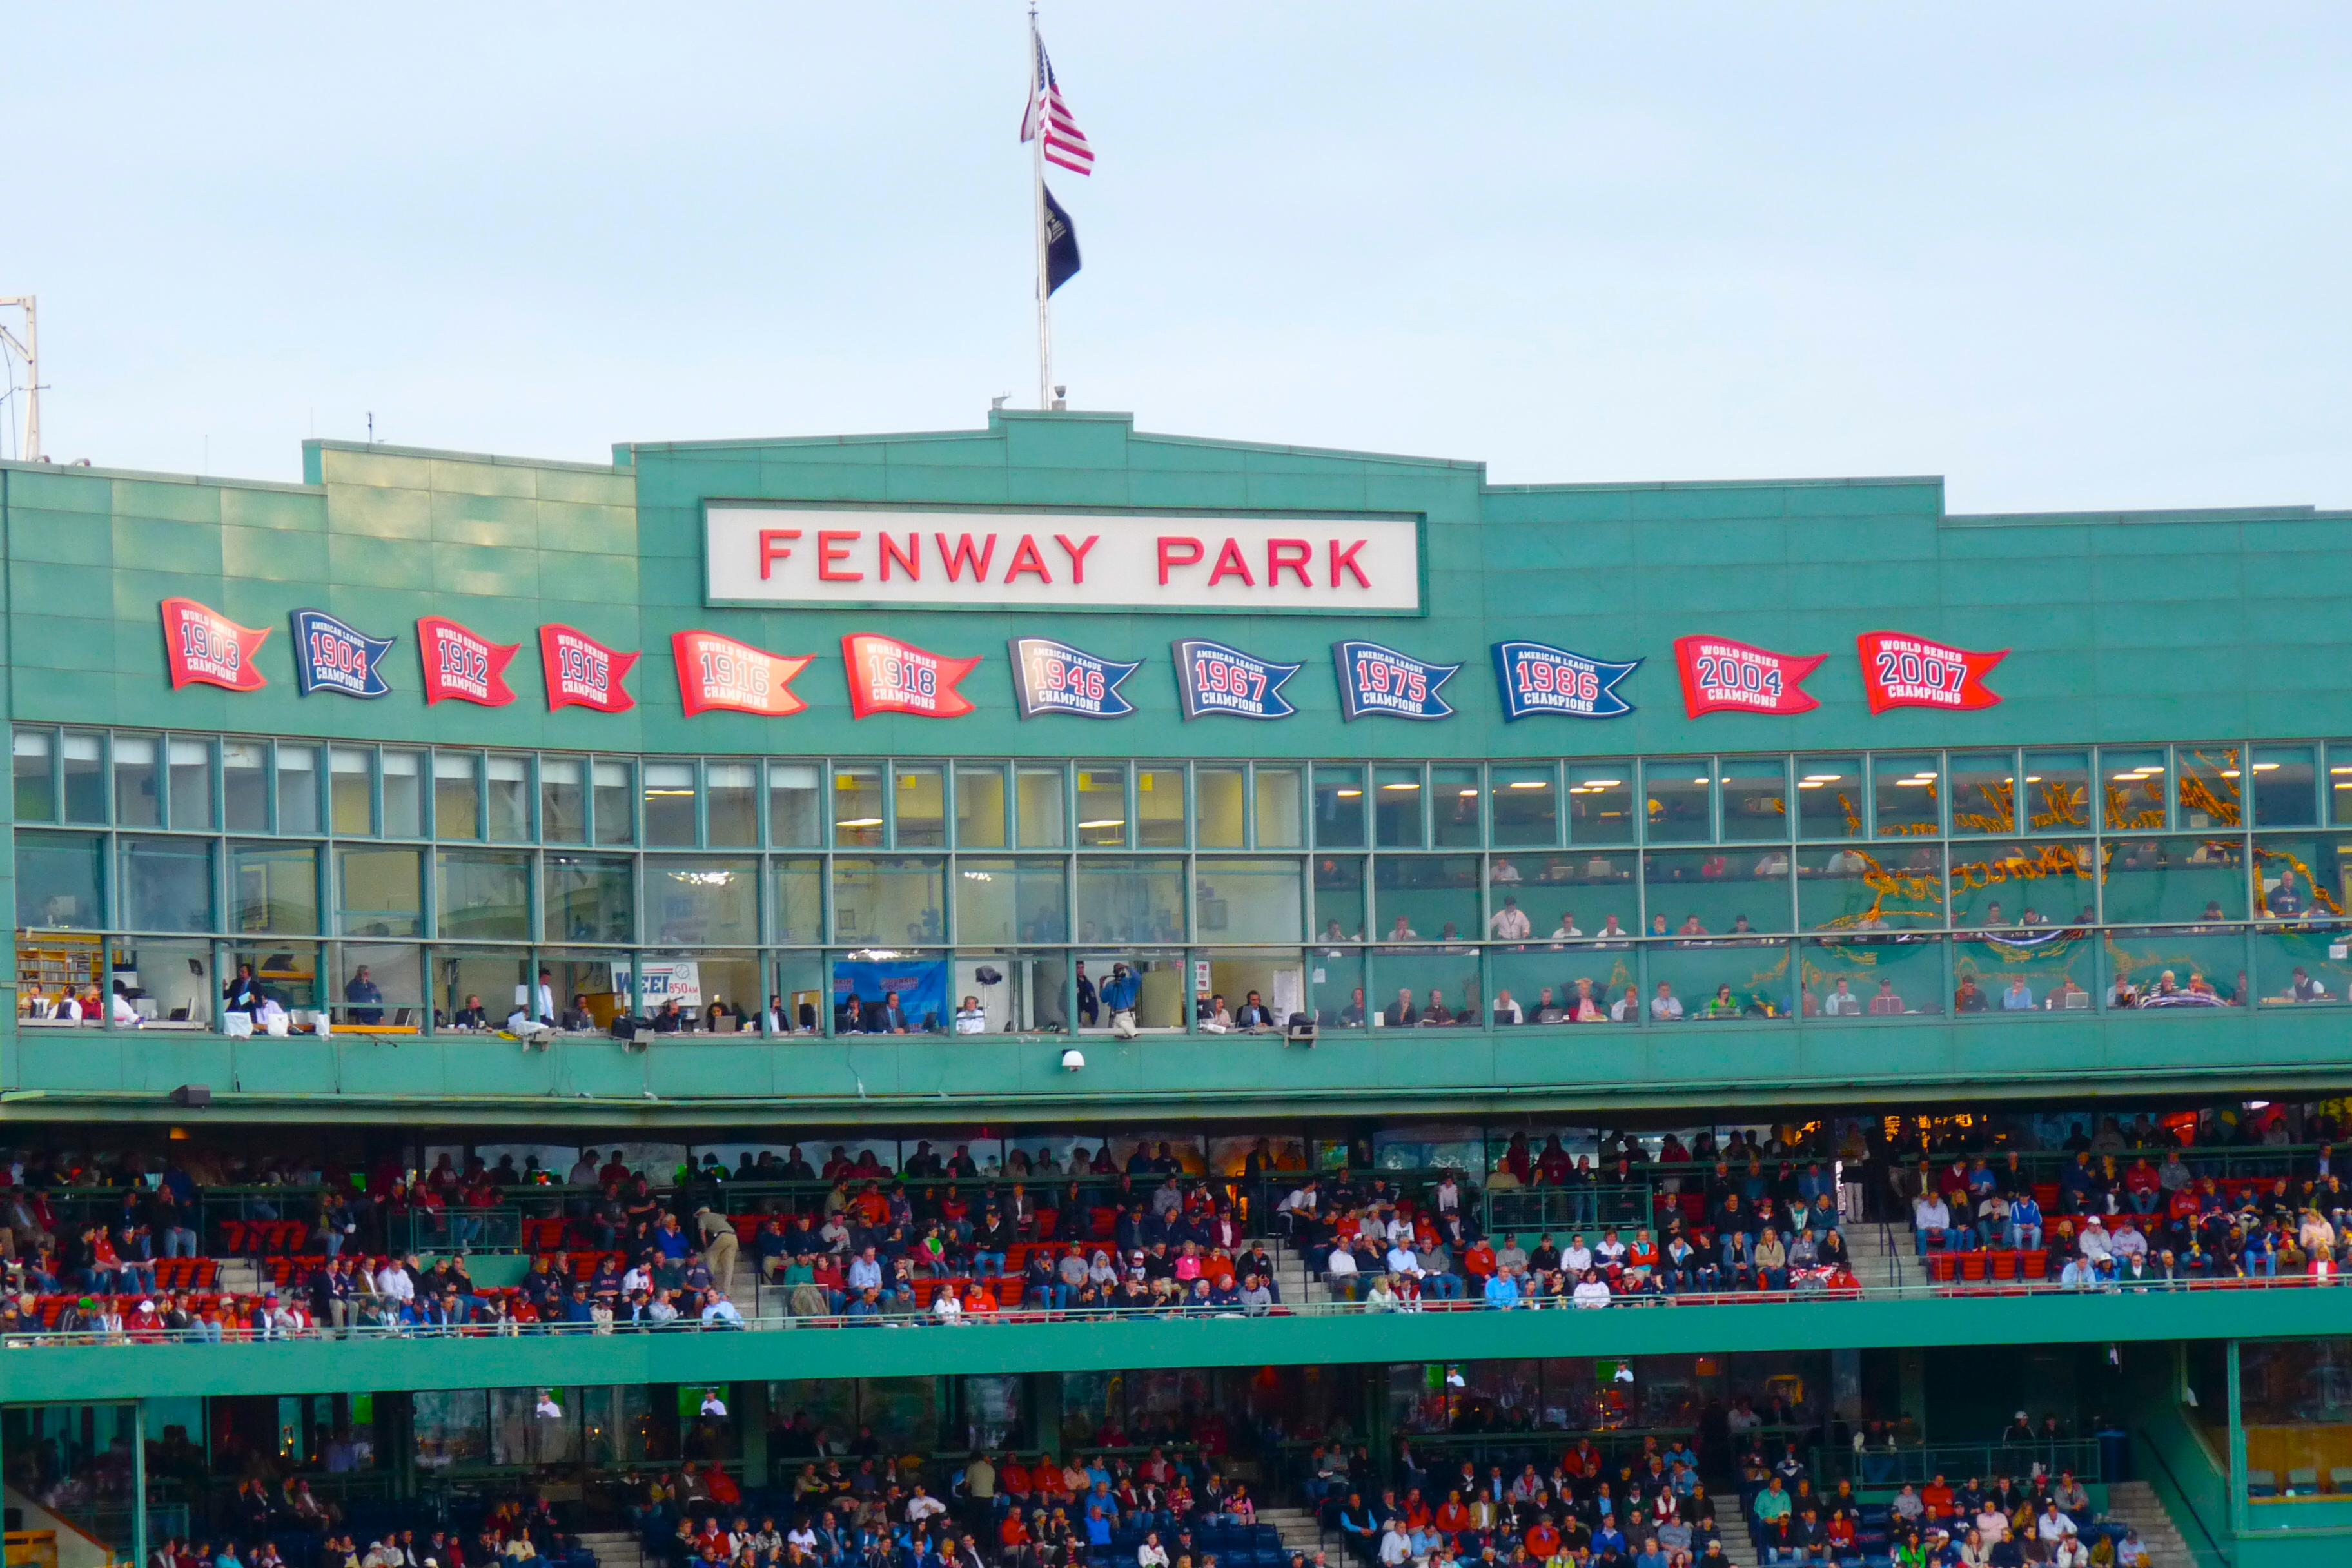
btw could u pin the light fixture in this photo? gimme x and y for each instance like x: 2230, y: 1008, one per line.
x: 1351, y: 793
x: 1613, y: 784
x: 1105, y: 822
x: 2033, y: 778
x: 1824, y: 778
x: 1469, y: 794
x: 2342, y: 770
x: 2265, y: 767
x: 859, y: 822
x: 1808, y: 784
x: 2228, y: 773
x: 1700, y: 780
x: 1407, y: 787
x: 1531, y: 783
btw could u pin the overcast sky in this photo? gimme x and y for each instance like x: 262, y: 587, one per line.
x: 2071, y: 256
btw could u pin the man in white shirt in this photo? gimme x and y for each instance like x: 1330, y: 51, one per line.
x: 124, y: 1013
x: 1577, y: 1258
x: 1507, y: 1008
x: 1841, y: 1003
x: 1626, y: 1009
x: 2093, y: 1241
x: 1931, y: 1217
x: 923, y: 1505
x: 393, y: 1283
x: 1341, y: 1269
x: 583, y: 1170
x: 1510, y: 922
x: 1567, y: 927
x: 719, y: 1312
x: 970, y: 1018
x: 1665, y: 1007
x: 543, y: 998
x: 865, y: 1272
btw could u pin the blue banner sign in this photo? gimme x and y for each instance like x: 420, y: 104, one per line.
x: 1214, y: 678
x: 1541, y: 679
x: 1051, y: 676
x: 332, y: 657
x: 1376, y: 679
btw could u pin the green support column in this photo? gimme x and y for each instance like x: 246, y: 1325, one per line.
x: 2237, y: 1519
x: 396, y: 1434
x: 751, y: 1421
x: 1914, y: 1399
x: 1045, y: 1410
x: 1374, y: 1392
x: 138, y: 1482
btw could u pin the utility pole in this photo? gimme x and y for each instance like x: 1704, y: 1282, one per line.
x: 31, y: 347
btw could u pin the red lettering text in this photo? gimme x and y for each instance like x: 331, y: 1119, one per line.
x: 1230, y: 564
x: 1345, y: 561
x: 831, y: 550
x: 1169, y: 546
x: 1077, y: 554
x: 1292, y: 555
x: 1026, y: 559
x: 774, y: 548
x: 962, y: 555
x: 909, y: 559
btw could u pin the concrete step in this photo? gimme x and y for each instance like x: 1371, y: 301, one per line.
x: 2135, y: 1503
x: 613, y: 1548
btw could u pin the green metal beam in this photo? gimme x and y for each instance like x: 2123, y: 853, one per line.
x: 46, y: 1374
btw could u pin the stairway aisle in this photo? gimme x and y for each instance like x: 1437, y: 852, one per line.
x: 2135, y: 1503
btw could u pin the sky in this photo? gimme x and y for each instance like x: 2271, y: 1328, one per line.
x: 2076, y: 256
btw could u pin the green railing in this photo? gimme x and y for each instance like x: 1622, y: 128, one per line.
x: 1957, y: 1462
x: 1564, y: 1211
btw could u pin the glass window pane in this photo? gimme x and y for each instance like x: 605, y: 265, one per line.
x: 800, y: 901
x: 669, y: 804
x: 1400, y: 808
x: 36, y: 784
x: 456, y: 796
x: 192, y: 784
x: 701, y: 902
x: 2172, y: 880
x: 980, y: 805
x: 1600, y: 802
x: 1438, y: 986
x: 1339, y: 807
x: 1160, y: 807
x: 1870, y: 977
x: 1909, y: 794
x: 298, y: 788
x: 1680, y: 797
x: 590, y: 899
x: 2026, y: 886
x: 1720, y: 981
x: 857, y: 806
x: 794, y: 797
x: 1339, y: 898
x: 2338, y: 790
x: 615, y: 784
x: 1584, y: 893
x: 2162, y: 966
x: 403, y: 794
x: 353, y: 791
x: 2285, y: 786
x: 138, y: 800
x: 1454, y: 801
x: 890, y: 901
x: 2300, y: 876
x: 245, y: 787
x: 2212, y: 787
x: 1703, y: 892
x: 1220, y: 814
x: 2042, y: 975
x: 1525, y: 804
x: 1754, y: 798
x: 483, y: 897
x: 2132, y: 781
x: 1829, y: 797
x: 734, y: 790
x: 85, y: 776
x: 1890, y: 888
x: 508, y: 792
x: 2296, y: 968
x: 490, y: 978
x: 274, y: 887
x: 1044, y: 816
x: 1102, y: 804
x: 1279, y: 825
x: 1248, y: 901
x: 61, y: 881
x: 1011, y: 901
x: 1984, y: 794
x: 167, y: 884
x: 563, y: 800
x: 922, y: 806
x: 1131, y: 900
x: 380, y: 892
x: 2057, y: 792
x: 1427, y: 897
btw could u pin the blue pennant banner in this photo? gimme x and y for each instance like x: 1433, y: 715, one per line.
x: 1051, y: 676
x: 1541, y: 679
x: 1214, y: 678
x: 330, y: 656
x: 1376, y: 679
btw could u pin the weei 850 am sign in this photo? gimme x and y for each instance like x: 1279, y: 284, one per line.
x: 760, y: 554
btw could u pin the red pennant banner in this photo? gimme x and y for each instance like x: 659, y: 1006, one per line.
x: 1723, y: 677
x: 886, y: 676
x: 583, y: 672
x: 205, y: 647
x: 719, y: 673
x: 1904, y: 671
x: 462, y: 666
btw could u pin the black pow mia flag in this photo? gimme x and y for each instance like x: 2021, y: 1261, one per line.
x: 1061, y: 245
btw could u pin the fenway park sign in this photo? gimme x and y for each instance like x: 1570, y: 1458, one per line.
x: 959, y: 560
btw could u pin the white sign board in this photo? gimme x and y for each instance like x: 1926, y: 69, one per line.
x: 665, y: 980
x: 757, y: 555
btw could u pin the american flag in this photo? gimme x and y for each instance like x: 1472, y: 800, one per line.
x: 1049, y: 112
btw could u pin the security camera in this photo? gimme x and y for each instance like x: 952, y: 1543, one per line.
x: 1073, y: 1059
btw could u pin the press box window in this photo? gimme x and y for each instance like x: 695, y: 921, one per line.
x: 245, y: 785
x: 734, y: 803
x: 980, y: 805
x: 37, y: 785
x: 615, y: 803
x: 507, y: 797
x: 138, y: 796
x: 85, y: 776
x: 1044, y: 814
x: 1102, y: 804
x: 793, y: 798
x: 857, y: 806
x: 563, y: 800
x: 670, y: 805
x: 456, y: 796
x: 1340, y: 807
x: 1279, y: 825
x: 403, y: 794
x: 352, y: 791
x: 921, y: 800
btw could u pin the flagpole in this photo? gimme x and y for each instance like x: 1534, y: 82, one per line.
x: 1037, y: 224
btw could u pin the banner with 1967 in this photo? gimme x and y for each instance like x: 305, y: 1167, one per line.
x: 1213, y: 679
